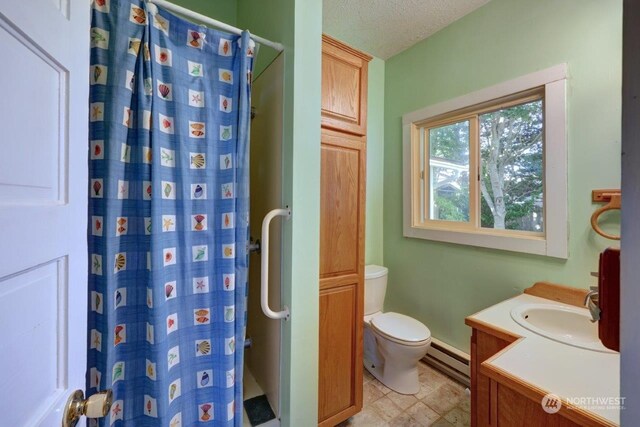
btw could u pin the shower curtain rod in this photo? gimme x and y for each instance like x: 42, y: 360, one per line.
x: 213, y: 22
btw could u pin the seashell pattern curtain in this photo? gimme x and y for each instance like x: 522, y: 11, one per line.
x: 168, y: 215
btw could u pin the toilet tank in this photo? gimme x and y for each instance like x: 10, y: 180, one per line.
x: 375, y: 287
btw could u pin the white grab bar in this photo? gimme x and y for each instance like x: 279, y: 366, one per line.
x: 264, y: 274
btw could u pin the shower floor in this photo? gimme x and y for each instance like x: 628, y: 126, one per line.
x: 252, y: 389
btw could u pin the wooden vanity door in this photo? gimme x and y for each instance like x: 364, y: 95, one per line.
x: 483, y: 346
x: 341, y: 276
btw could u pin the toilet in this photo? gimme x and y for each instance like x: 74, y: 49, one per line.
x: 393, y: 343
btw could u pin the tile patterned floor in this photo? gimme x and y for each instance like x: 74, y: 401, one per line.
x: 441, y: 402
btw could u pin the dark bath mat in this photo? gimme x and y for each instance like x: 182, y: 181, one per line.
x: 258, y: 410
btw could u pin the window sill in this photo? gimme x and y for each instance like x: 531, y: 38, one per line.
x: 515, y: 242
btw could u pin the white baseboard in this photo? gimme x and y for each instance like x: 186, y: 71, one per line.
x: 450, y: 360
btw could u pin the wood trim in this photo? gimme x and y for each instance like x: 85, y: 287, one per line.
x: 556, y: 190
x: 474, y: 377
x: 571, y: 412
x: 338, y: 138
x: 451, y: 117
x: 343, y: 46
x: 493, y: 418
x: 501, y: 352
x: 474, y: 173
x: 340, y: 416
x: 559, y: 293
x: 338, y: 281
x: 517, y: 85
x: 491, y: 330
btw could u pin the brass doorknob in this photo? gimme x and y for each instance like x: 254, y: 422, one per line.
x: 95, y: 406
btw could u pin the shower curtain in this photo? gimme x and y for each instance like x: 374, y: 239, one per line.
x: 168, y: 215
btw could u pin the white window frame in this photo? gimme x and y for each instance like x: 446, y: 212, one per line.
x: 554, y: 241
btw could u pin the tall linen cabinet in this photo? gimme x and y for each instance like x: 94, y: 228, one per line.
x: 342, y: 206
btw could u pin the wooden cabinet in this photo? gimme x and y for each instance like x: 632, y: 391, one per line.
x: 342, y: 204
x: 514, y: 409
x: 342, y: 186
x: 483, y: 346
x: 340, y: 396
x: 501, y: 400
x: 344, y: 87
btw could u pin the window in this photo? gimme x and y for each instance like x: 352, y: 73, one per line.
x: 489, y: 169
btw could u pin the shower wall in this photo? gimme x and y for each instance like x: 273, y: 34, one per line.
x: 263, y: 358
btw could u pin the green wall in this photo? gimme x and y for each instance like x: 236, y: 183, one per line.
x: 373, y: 252
x: 298, y: 25
x: 441, y: 283
x: 222, y: 10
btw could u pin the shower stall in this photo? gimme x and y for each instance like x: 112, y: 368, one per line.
x: 262, y: 357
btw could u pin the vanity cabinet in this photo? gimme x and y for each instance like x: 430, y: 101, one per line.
x: 483, y: 346
x: 493, y: 400
x: 342, y: 205
x: 502, y: 399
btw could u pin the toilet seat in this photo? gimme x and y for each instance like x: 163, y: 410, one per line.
x: 401, y: 329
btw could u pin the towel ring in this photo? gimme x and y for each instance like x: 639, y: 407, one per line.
x: 614, y: 199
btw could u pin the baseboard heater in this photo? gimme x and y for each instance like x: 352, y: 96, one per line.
x: 450, y: 360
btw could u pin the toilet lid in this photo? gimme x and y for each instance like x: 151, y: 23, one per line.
x: 401, y: 327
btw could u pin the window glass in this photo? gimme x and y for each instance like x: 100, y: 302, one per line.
x: 511, y: 178
x: 449, y: 172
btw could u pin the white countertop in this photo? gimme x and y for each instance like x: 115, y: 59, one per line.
x: 561, y: 369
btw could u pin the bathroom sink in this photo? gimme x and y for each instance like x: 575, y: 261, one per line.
x: 568, y: 325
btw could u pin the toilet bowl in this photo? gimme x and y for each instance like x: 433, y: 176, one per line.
x: 393, y: 343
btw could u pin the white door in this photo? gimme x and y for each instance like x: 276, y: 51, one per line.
x: 44, y: 68
x: 263, y: 358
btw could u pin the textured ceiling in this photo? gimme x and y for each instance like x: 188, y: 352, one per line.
x: 386, y: 27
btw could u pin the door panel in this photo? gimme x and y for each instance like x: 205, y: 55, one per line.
x: 483, y: 347
x: 37, y: 294
x: 337, y: 327
x: 344, y: 87
x: 340, y: 188
x: 43, y: 202
x: 344, y: 78
x: 514, y: 408
x: 43, y: 116
x: 263, y: 357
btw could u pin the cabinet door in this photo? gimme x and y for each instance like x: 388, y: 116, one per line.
x: 337, y: 352
x: 483, y: 346
x: 341, y: 204
x: 341, y: 276
x: 514, y: 409
x: 344, y: 87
